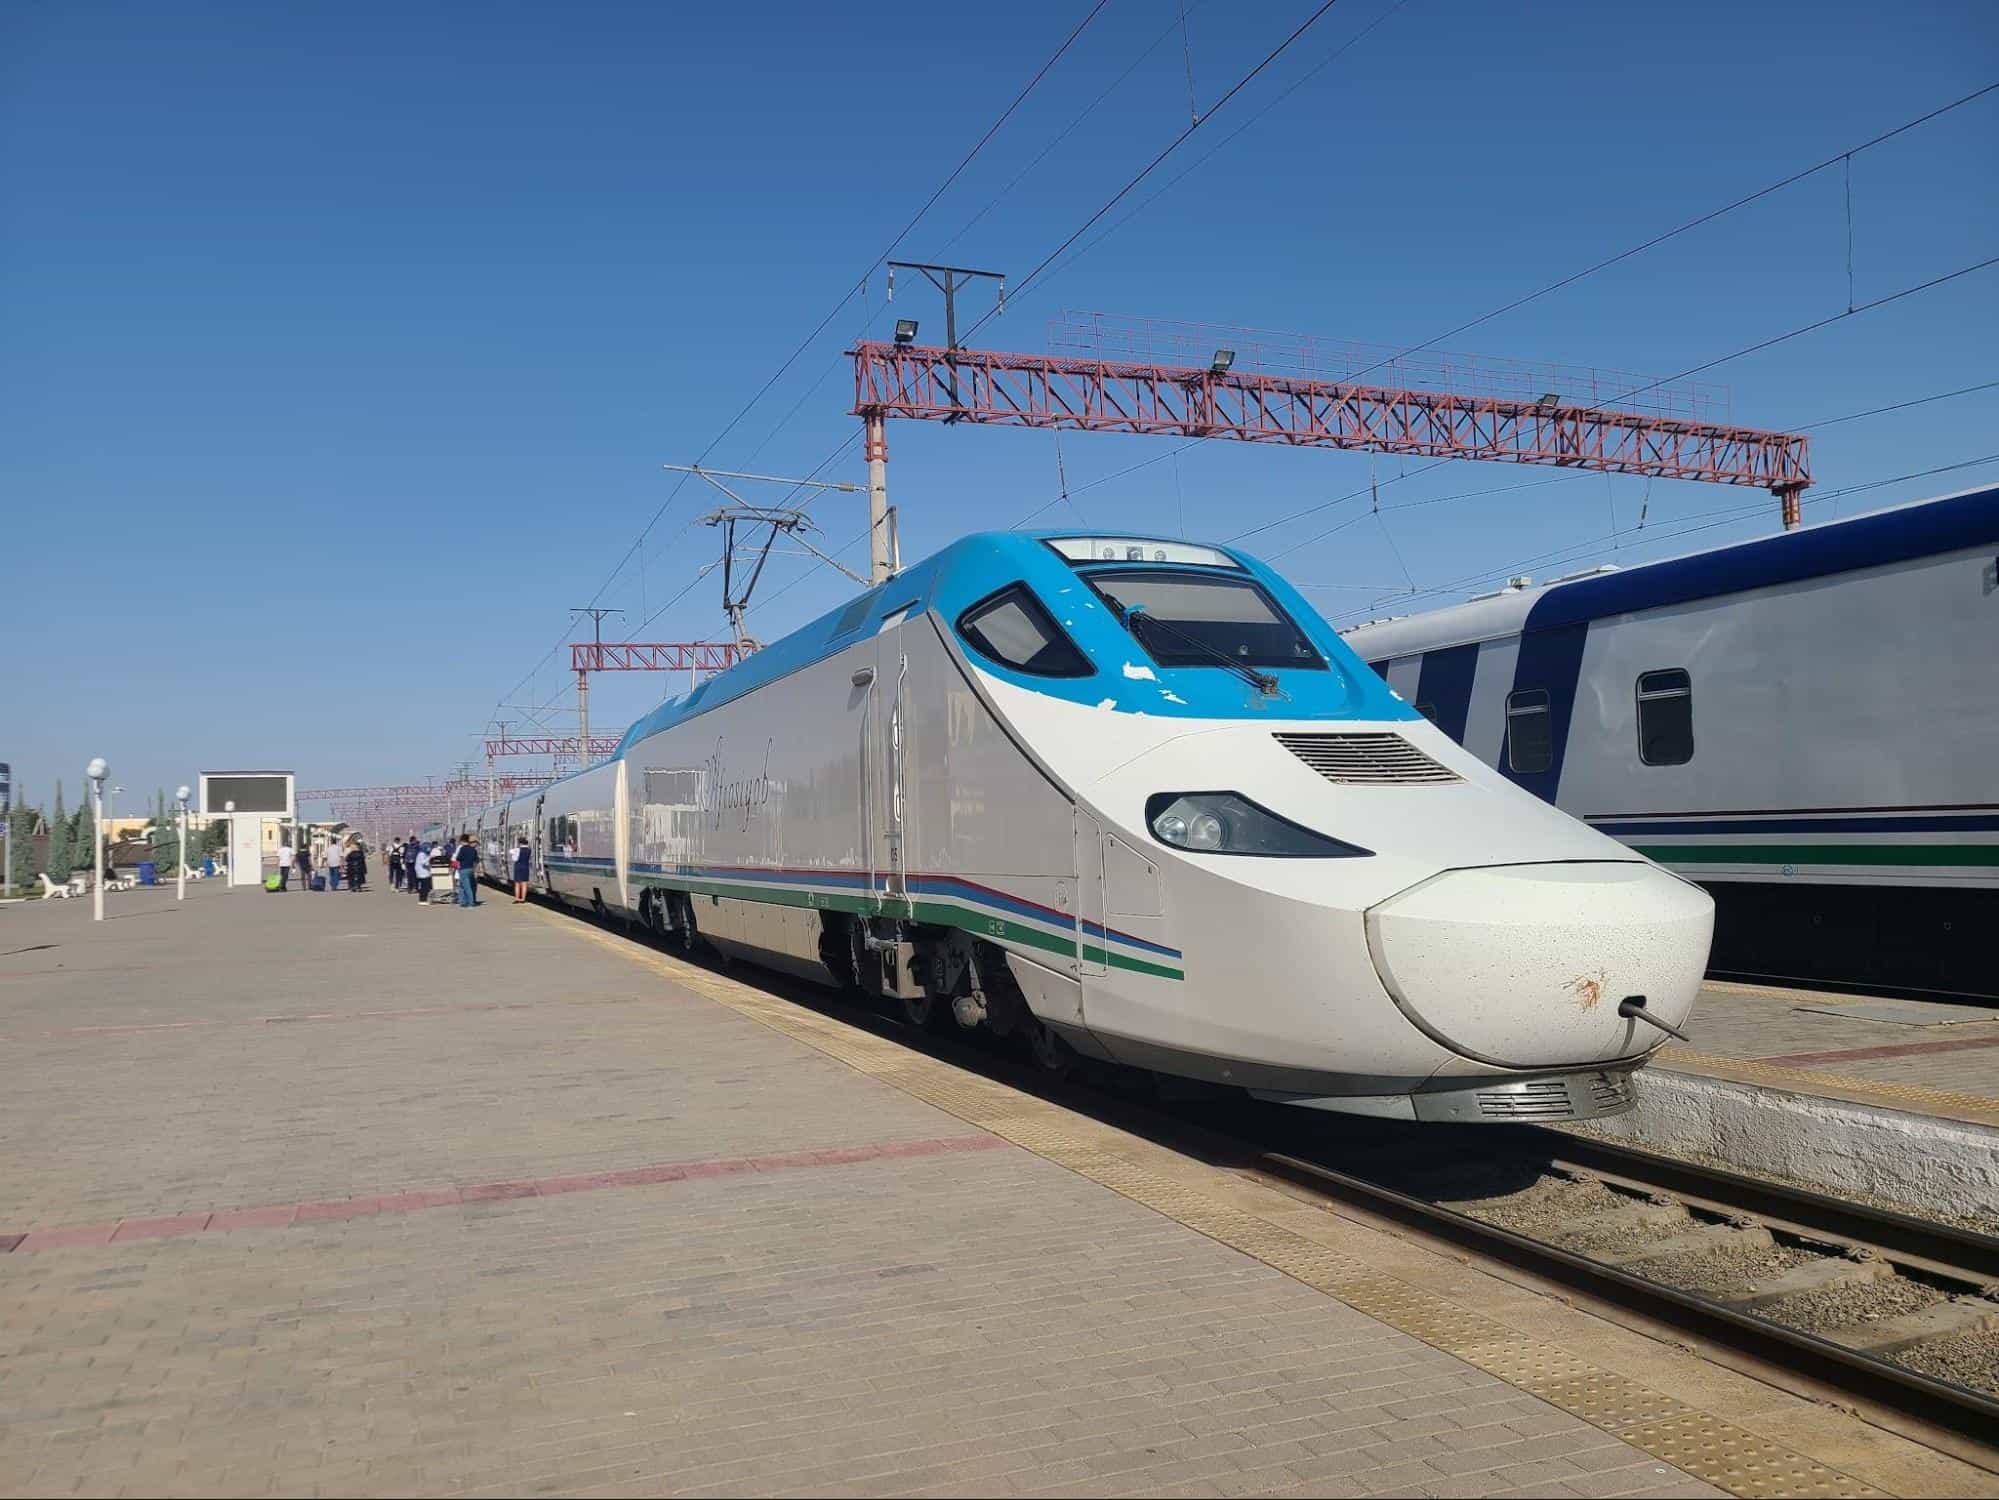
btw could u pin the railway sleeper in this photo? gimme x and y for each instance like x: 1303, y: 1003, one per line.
x: 1705, y: 1239
x: 1939, y: 1319
x: 1614, y: 1222
x: 1832, y: 1270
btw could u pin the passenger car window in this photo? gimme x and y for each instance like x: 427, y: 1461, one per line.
x: 1530, y: 738
x: 1666, y: 717
x: 1013, y: 629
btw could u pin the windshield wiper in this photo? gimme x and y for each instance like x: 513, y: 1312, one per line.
x: 1263, y: 682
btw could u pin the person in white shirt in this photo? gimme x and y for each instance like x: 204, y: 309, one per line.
x: 421, y: 883
x: 335, y: 859
x: 285, y: 865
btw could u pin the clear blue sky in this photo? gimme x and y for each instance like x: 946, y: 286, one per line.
x: 364, y: 328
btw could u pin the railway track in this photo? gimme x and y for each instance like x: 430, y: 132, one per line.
x: 1863, y: 1301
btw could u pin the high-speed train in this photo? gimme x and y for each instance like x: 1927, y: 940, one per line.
x: 1133, y: 798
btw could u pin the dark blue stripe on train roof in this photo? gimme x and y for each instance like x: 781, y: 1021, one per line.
x: 1889, y: 536
x: 1894, y: 823
x: 1444, y: 686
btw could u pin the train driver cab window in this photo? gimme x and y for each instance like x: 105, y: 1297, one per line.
x: 1012, y: 628
x: 1666, y: 717
x: 1205, y: 620
x: 1530, y: 738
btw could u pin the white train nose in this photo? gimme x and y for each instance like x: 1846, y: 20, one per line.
x: 1526, y: 965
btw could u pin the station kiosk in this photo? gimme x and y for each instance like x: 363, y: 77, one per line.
x: 248, y: 801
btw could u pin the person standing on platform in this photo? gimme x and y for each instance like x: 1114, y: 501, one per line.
x: 449, y: 854
x: 395, y: 866
x: 357, y: 866
x: 523, y: 867
x: 409, y: 861
x: 285, y: 864
x: 330, y: 852
x: 304, y: 863
x: 467, y: 859
x: 421, y: 884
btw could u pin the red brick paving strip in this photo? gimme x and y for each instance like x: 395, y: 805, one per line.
x: 277, y: 1216
x: 1862, y: 1054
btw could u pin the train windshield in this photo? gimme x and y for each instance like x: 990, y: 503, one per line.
x: 1204, y: 620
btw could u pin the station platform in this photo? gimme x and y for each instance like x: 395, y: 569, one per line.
x: 1892, y: 1099
x: 329, y: 1193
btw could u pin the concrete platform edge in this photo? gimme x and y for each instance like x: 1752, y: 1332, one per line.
x: 1929, y: 1163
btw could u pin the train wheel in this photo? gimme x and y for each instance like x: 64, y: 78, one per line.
x: 1052, y: 1055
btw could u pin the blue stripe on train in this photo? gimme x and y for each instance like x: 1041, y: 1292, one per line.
x: 1444, y: 686
x: 1552, y: 660
x: 922, y: 885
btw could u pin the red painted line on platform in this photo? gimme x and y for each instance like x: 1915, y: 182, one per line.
x: 1862, y: 1054
x: 140, y: 1027
x: 279, y: 1216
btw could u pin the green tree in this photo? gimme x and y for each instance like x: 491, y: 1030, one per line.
x: 82, y: 838
x: 60, y: 863
x: 23, y: 820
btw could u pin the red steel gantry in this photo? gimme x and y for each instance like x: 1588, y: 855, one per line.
x: 1098, y: 395
x: 586, y: 657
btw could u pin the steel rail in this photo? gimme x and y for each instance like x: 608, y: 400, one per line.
x: 1945, y: 1406
x: 1943, y: 1248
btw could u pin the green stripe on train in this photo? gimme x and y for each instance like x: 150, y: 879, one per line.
x: 1821, y: 854
x: 981, y: 923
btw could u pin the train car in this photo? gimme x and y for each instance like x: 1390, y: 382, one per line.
x: 1807, y: 724
x: 1132, y: 798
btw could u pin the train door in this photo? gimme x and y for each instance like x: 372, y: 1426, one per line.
x: 1092, y: 947
x: 863, y: 718
x: 621, y: 833
x: 891, y: 688
x: 539, y: 835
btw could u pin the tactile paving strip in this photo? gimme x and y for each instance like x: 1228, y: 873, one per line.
x: 1702, y: 1444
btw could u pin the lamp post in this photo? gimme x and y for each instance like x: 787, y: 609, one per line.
x: 229, y: 878
x: 95, y: 772
x: 180, y: 877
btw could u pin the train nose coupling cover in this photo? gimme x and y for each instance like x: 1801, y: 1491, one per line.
x: 1526, y: 966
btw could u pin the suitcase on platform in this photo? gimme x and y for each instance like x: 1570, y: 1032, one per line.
x: 273, y: 883
x: 319, y: 882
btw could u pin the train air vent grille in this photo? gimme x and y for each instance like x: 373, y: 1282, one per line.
x: 1382, y: 759
x: 1544, y: 1099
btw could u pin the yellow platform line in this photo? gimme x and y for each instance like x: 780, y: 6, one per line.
x: 1702, y: 1444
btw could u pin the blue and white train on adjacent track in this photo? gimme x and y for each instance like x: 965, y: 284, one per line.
x: 1807, y: 724
x: 1132, y: 798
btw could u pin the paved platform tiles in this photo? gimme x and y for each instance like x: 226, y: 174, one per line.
x: 331, y: 1193
x: 1837, y: 1046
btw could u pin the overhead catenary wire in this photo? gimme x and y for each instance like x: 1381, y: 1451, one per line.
x: 1179, y: 140
x: 1041, y: 267
x: 853, y: 286
x: 1694, y: 223
x: 1755, y: 348
x: 1040, y: 73
x: 1576, y: 551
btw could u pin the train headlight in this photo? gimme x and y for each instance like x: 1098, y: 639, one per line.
x: 1229, y: 823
